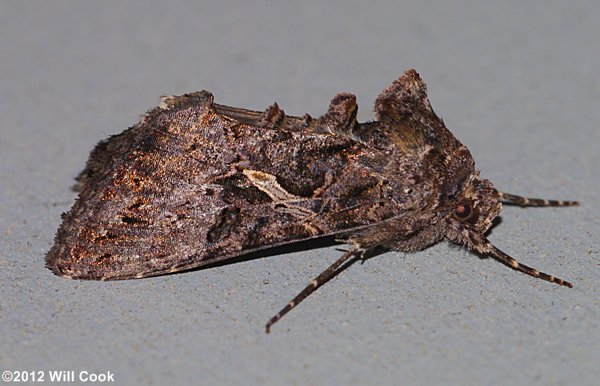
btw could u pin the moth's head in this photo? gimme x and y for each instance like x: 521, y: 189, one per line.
x: 469, y: 203
x: 474, y: 208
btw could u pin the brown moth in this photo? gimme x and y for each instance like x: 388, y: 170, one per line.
x: 195, y: 182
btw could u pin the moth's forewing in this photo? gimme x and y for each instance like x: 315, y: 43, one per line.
x: 190, y: 185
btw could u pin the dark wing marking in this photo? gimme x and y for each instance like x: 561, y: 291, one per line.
x: 164, y: 235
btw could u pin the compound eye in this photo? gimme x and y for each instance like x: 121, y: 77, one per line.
x: 464, y: 211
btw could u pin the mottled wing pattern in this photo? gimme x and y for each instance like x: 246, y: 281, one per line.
x: 196, y: 183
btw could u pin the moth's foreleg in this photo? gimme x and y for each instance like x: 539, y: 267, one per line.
x: 486, y: 248
x: 315, y: 283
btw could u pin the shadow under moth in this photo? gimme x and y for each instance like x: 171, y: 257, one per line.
x: 195, y: 182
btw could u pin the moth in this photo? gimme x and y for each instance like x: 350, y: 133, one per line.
x: 195, y: 182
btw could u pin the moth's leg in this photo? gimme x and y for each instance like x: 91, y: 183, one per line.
x: 485, y: 247
x: 315, y: 283
x: 508, y: 198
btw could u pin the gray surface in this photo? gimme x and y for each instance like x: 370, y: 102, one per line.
x: 518, y: 84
